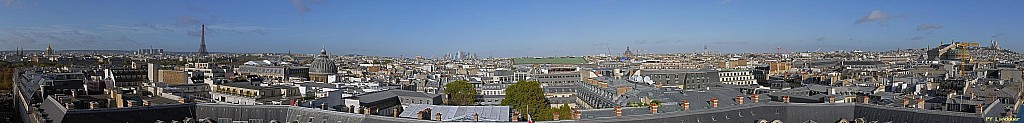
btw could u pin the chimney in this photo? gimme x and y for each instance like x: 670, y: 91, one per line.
x: 556, y: 115
x: 438, y: 116
x: 906, y: 102
x: 419, y: 115
x: 618, y: 111
x: 515, y: 116
x: 980, y: 109
x: 146, y: 103
x: 831, y: 99
x: 686, y: 105
x: 577, y: 113
x: 920, y: 103
x: 394, y: 112
x: 92, y: 105
x: 654, y: 108
x: 476, y: 117
x: 182, y: 100
x: 130, y: 103
x: 366, y: 110
x: 785, y: 99
x: 739, y: 100
x: 754, y: 98
x: 867, y: 100
x: 714, y: 102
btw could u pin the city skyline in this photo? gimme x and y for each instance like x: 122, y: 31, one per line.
x: 506, y: 28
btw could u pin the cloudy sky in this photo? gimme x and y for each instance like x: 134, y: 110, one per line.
x: 507, y: 28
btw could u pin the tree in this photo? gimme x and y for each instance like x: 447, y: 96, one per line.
x: 460, y: 93
x: 565, y: 112
x: 528, y: 98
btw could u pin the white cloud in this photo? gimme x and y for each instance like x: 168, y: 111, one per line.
x: 877, y: 16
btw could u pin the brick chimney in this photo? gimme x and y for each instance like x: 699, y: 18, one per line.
x: 394, y: 111
x: 618, y: 111
x: 476, y: 117
x: 130, y: 103
x: 686, y: 105
x: 714, y: 102
x: 867, y: 100
x: 831, y: 99
x: 654, y: 108
x: 920, y: 103
x: 438, y: 116
x: 785, y: 99
x: 146, y: 103
x: 92, y: 105
x: 577, y: 114
x: 515, y: 116
x: 979, y: 109
x: 754, y: 98
x: 739, y: 99
x: 182, y: 100
x: 419, y: 115
x: 556, y: 115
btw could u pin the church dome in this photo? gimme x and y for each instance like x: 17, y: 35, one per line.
x: 323, y: 64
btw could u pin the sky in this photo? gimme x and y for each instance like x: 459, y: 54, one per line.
x: 505, y: 28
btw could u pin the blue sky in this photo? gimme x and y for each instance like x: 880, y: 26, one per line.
x: 507, y: 28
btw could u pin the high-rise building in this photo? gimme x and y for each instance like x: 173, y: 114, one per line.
x: 202, y: 42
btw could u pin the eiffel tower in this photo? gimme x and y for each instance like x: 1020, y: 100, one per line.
x: 202, y: 42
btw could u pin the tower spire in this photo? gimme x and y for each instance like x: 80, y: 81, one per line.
x: 202, y: 42
x: 49, y: 49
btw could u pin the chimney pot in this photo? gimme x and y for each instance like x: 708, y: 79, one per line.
x: 714, y: 102
x: 618, y: 111
x: 686, y: 105
x: 556, y: 115
x: 739, y: 100
x: 654, y: 108
x: 515, y: 116
x: 754, y: 98
x: 438, y: 116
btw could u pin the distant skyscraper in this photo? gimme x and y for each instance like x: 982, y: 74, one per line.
x: 202, y: 42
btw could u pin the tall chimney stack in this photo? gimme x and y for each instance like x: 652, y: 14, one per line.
x: 785, y: 99
x: 867, y: 100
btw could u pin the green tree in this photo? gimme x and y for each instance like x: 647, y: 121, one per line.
x: 528, y: 98
x: 460, y: 93
x: 565, y: 112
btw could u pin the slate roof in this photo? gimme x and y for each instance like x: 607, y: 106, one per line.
x: 461, y: 113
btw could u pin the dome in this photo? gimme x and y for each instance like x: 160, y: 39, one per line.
x: 323, y: 64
